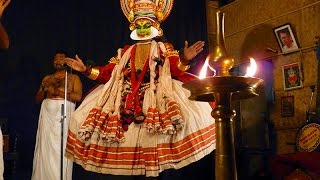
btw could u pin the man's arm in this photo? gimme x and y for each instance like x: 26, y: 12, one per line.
x: 42, y: 92
x: 4, y: 39
x: 76, y: 95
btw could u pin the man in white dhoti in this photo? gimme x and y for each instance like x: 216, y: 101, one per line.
x: 47, y: 154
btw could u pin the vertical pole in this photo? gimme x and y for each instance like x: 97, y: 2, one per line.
x: 225, y: 164
x: 61, y: 145
x: 63, y: 118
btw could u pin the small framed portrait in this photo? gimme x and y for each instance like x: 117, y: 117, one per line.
x: 286, y: 38
x: 287, y: 106
x: 292, y: 76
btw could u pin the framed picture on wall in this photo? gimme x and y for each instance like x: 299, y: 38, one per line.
x: 286, y: 39
x: 292, y: 76
x: 287, y: 106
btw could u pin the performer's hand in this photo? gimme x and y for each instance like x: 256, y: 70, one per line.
x: 76, y: 64
x: 3, y: 5
x: 190, y: 52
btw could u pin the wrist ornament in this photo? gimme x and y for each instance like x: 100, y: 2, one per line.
x: 181, y: 66
x: 92, y: 73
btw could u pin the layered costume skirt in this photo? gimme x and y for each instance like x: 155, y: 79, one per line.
x: 142, y: 152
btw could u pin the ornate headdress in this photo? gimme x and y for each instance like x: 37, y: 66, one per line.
x: 154, y: 10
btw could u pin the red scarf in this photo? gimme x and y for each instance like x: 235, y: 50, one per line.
x: 132, y: 101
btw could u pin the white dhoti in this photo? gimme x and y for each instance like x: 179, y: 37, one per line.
x: 47, y: 153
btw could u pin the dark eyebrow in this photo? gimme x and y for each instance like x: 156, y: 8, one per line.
x: 147, y: 24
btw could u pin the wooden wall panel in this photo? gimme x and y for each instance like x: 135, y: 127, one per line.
x: 249, y: 31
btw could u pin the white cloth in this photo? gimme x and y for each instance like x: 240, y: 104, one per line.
x: 294, y: 46
x: 199, y: 129
x: 1, y: 156
x: 47, y: 153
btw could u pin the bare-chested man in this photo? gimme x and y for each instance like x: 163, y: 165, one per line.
x: 46, y: 162
x: 52, y: 86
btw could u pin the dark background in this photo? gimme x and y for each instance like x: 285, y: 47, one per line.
x: 92, y: 29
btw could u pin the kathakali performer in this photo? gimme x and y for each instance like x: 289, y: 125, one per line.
x: 140, y: 121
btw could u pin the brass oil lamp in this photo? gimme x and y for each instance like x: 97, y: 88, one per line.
x: 223, y: 89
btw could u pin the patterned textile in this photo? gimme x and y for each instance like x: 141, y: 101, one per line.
x: 175, y: 133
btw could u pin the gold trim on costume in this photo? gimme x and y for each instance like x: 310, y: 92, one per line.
x: 170, y: 51
x: 94, y: 73
x: 114, y: 60
x: 168, y: 46
x: 181, y: 66
x: 142, y: 53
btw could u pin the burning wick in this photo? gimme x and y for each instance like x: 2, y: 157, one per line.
x: 203, y: 72
x: 251, y: 70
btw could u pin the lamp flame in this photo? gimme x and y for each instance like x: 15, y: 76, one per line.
x: 203, y: 72
x: 251, y: 70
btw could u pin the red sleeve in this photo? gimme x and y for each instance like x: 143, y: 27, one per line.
x: 176, y: 73
x: 105, y: 73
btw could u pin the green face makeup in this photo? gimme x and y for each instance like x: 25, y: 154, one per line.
x: 143, y: 27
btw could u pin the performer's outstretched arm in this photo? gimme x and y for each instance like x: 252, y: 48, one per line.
x: 101, y: 74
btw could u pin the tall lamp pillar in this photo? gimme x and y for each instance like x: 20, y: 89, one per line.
x: 223, y: 89
x: 225, y: 165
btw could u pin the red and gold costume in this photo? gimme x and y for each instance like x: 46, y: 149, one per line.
x: 140, y: 122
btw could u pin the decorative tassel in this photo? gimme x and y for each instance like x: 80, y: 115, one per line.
x: 156, y: 120
x: 87, y: 128
x: 111, y: 128
x: 100, y: 129
x: 149, y: 121
x: 175, y: 115
x: 166, y: 125
x: 120, y: 133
